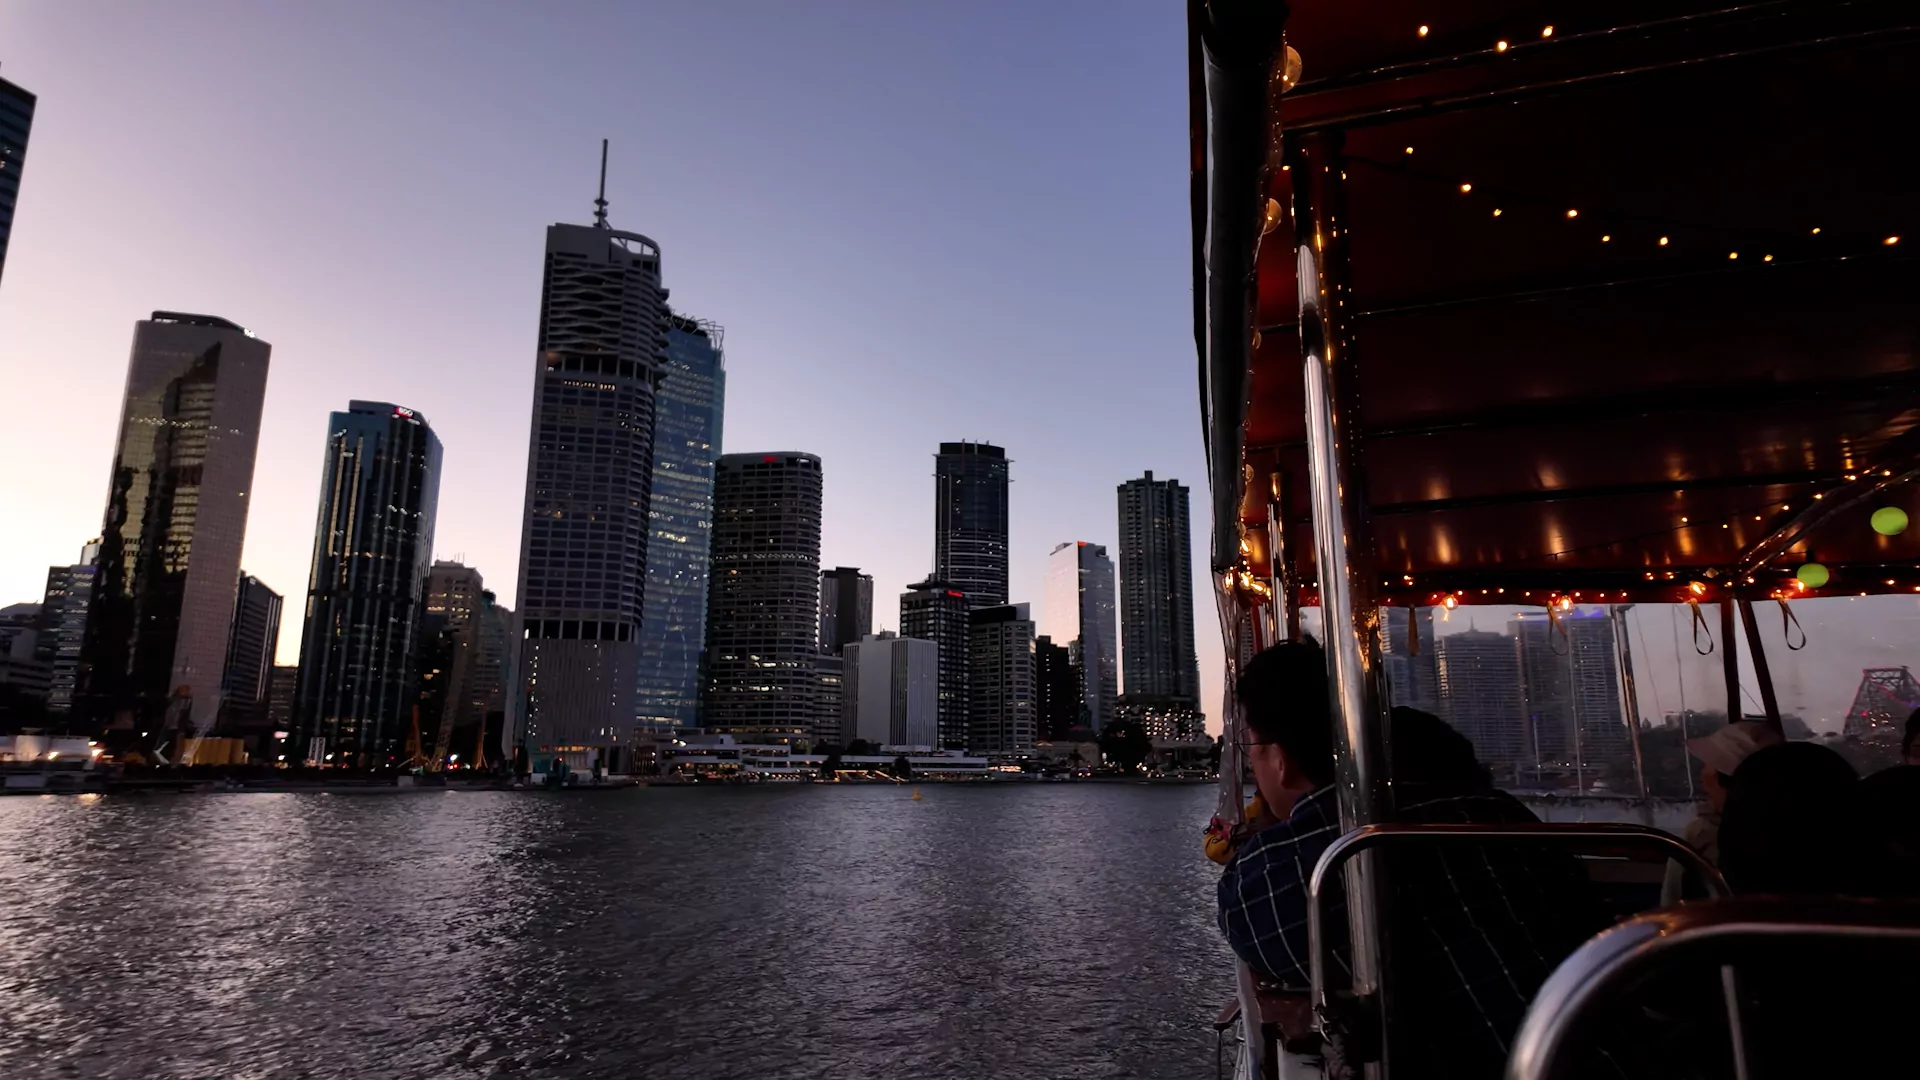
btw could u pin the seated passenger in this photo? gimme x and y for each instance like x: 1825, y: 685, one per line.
x: 1891, y: 799
x: 1794, y: 824
x: 1719, y: 754
x: 1479, y: 927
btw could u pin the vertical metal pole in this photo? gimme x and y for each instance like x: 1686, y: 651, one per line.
x: 1630, y: 705
x: 1680, y: 667
x: 1343, y: 539
x: 1286, y: 583
x: 1760, y: 671
x: 1573, y: 717
x: 1730, y: 658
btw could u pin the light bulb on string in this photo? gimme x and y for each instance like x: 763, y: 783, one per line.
x: 1891, y: 240
x: 1499, y: 46
x: 1606, y: 238
x: 1464, y: 188
x: 1496, y: 211
x: 1663, y: 241
x: 1423, y: 31
x: 1571, y: 214
x: 1546, y: 32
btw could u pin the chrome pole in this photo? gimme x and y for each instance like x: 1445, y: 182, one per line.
x: 1343, y: 538
x: 1286, y: 583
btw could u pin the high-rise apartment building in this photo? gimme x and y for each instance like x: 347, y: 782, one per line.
x: 892, y: 691
x: 846, y: 607
x: 176, y: 517
x: 1156, y: 592
x: 283, y: 686
x: 763, y: 604
x: 16, y: 123
x: 1162, y: 718
x: 936, y: 611
x: 1080, y: 613
x: 246, y: 685
x: 366, y: 595
x: 1482, y: 696
x: 1056, y: 689
x: 829, y: 698
x: 1572, y: 682
x: 583, y: 548
x: 970, y: 521
x: 63, y: 621
x: 1000, y: 687
x: 453, y: 591
x: 1409, y: 657
x: 686, y: 441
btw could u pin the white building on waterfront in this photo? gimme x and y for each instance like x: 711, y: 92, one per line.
x: 890, y: 688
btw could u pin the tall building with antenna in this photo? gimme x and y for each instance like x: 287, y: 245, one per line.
x: 583, y: 547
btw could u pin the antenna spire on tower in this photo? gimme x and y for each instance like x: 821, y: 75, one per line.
x: 600, y: 204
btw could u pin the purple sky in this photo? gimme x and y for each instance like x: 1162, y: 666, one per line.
x: 916, y: 222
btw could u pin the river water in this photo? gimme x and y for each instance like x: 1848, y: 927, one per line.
x: 1017, y: 930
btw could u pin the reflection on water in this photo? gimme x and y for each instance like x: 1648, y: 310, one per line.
x: 1018, y: 930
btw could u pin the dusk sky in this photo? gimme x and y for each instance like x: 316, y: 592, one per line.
x: 916, y: 223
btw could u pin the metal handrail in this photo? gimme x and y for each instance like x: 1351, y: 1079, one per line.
x: 1565, y: 834
x: 1717, y: 931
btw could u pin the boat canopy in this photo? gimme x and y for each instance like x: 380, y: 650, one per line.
x: 1628, y: 292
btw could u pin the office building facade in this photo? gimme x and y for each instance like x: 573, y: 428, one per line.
x: 1000, y: 683
x: 366, y: 593
x: 63, y: 621
x: 1056, y: 690
x: 970, y: 521
x: 1410, y: 658
x: 936, y: 611
x: 1156, y: 592
x: 16, y: 123
x: 583, y: 546
x: 829, y: 699
x: 176, y: 518
x: 1570, y: 671
x: 846, y: 607
x: 247, y: 683
x: 688, y: 411
x: 892, y: 691
x: 763, y: 603
x: 1483, y: 697
x: 1080, y: 614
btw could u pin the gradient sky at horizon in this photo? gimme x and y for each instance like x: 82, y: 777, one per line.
x: 917, y: 224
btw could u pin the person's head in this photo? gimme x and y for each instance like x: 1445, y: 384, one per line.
x: 1283, y: 693
x: 1428, y: 751
x: 1909, y: 744
x: 1892, y: 801
x: 1721, y: 753
x: 1793, y: 823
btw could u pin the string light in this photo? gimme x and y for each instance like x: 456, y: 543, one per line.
x: 1733, y: 254
x: 1496, y: 211
x: 1571, y: 214
x: 1423, y: 31
x: 1766, y: 258
x: 1606, y: 238
x: 1546, y: 32
x: 1409, y: 149
x: 1816, y: 230
x: 1891, y: 240
x: 1464, y: 188
x: 1663, y: 241
x: 1499, y: 46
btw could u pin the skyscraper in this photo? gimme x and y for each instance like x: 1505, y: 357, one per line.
x: 1413, y: 679
x: 1079, y: 613
x: 16, y: 122
x: 63, y: 620
x: 246, y: 685
x: 970, y: 521
x: 469, y: 638
x: 846, y: 607
x: 1572, y: 688
x: 453, y: 591
x: 176, y: 517
x: 763, y: 606
x: 366, y: 596
x: 891, y: 691
x: 1056, y: 689
x: 1000, y: 692
x: 1156, y: 592
x: 936, y: 611
x: 1482, y: 697
x: 686, y: 440
x: 583, y: 548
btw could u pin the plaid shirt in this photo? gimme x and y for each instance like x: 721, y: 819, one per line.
x: 1478, y: 928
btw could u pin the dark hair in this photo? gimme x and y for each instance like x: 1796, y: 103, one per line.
x: 1913, y: 730
x: 1793, y: 823
x: 1284, y: 694
x: 1427, y: 750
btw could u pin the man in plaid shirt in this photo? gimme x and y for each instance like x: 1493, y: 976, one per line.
x: 1477, y: 928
